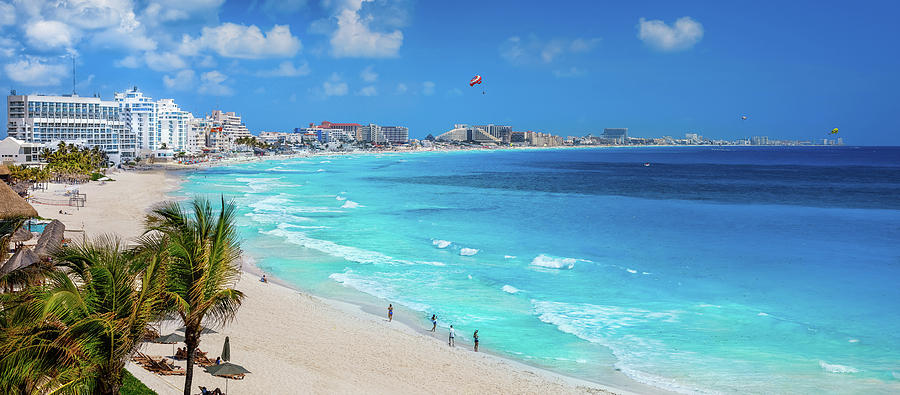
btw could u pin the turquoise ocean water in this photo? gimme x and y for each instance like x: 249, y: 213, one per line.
x: 738, y: 270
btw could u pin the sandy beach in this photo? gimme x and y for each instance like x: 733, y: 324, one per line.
x: 297, y: 343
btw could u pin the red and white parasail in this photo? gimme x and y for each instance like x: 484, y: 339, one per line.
x: 475, y: 80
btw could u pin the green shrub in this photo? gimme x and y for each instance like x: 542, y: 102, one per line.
x: 96, y: 176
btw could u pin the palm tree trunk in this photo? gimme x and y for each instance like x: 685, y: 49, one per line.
x: 191, y: 340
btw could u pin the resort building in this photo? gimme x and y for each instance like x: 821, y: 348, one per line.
x: 18, y: 152
x: 351, y: 129
x: 615, y: 135
x: 141, y: 135
x: 174, y: 125
x: 72, y: 119
x: 462, y: 132
x: 226, y: 128
x: 376, y: 134
x: 501, y: 132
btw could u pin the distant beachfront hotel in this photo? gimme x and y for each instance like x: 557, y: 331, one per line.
x: 130, y: 126
x: 617, y: 135
x: 87, y: 121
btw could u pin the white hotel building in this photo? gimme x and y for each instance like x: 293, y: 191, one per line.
x: 132, y: 125
x: 86, y: 121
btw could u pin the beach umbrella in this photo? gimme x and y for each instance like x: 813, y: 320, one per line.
x: 204, y: 331
x: 23, y: 258
x: 227, y: 370
x: 170, y: 338
x: 21, y: 235
x: 12, y: 206
x: 226, y: 350
x: 51, y: 239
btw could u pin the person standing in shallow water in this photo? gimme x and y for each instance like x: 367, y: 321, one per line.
x: 433, y: 322
x: 390, y: 312
x: 452, y: 335
x: 475, y: 335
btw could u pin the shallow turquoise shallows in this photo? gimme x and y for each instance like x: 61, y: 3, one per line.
x: 735, y: 270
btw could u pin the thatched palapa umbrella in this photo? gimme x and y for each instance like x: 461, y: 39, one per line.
x: 51, y: 239
x: 21, y: 235
x: 12, y: 206
x: 23, y: 258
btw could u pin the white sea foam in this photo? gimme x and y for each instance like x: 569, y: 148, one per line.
x: 325, y: 161
x: 510, y: 289
x: 763, y: 314
x: 553, y: 262
x: 470, y: 276
x: 853, y: 340
x: 468, y: 251
x: 509, y: 257
x: 373, y: 287
x: 632, y: 271
x: 320, y: 170
x: 261, y: 184
x: 340, y: 198
x: 346, y: 252
x: 351, y: 204
x: 833, y: 368
x: 603, y: 324
x: 432, y: 263
x: 441, y: 243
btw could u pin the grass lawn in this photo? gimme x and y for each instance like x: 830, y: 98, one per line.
x: 133, y: 386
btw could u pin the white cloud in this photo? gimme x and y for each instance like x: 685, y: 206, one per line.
x: 684, y: 34
x: 246, y: 42
x: 568, y: 73
x: 9, y: 47
x: 368, y: 75
x: 402, y: 88
x: 7, y: 14
x: 583, y: 44
x: 518, y: 50
x: 428, y: 88
x: 36, y: 72
x: 354, y: 36
x: 211, y: 84
x: 50, y: 35
x: 286, y: 69
x: 176, y: 10
x: 335, y: 86
x: 164, y: 61
x: 83, y: 84
x: 207, y: 62
x: 130, y: 61
x: 368, y: 91
x: 183, y: 80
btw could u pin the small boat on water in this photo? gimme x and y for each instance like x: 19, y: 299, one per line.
x: 646, y: 164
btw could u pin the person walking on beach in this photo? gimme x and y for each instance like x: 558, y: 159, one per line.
x: 475, y: 336
x: 390, y: 312
x: 433, y: 322
x: 452, y: 336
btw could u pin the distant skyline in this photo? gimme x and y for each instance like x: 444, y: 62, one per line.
x: 796, y: 69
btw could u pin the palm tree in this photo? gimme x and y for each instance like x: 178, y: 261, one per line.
x: 75, y: 334
x: 203, y: 266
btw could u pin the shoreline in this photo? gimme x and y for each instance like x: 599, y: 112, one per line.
x: 369, y: 310
x: 303, y: 341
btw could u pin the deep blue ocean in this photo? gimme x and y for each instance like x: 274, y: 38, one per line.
x: 733, y: 270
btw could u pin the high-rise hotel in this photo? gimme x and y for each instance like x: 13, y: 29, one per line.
x: 132, y: 125
x: 87, y: 121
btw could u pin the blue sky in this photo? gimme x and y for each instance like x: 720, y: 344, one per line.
x: 797, y: 69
